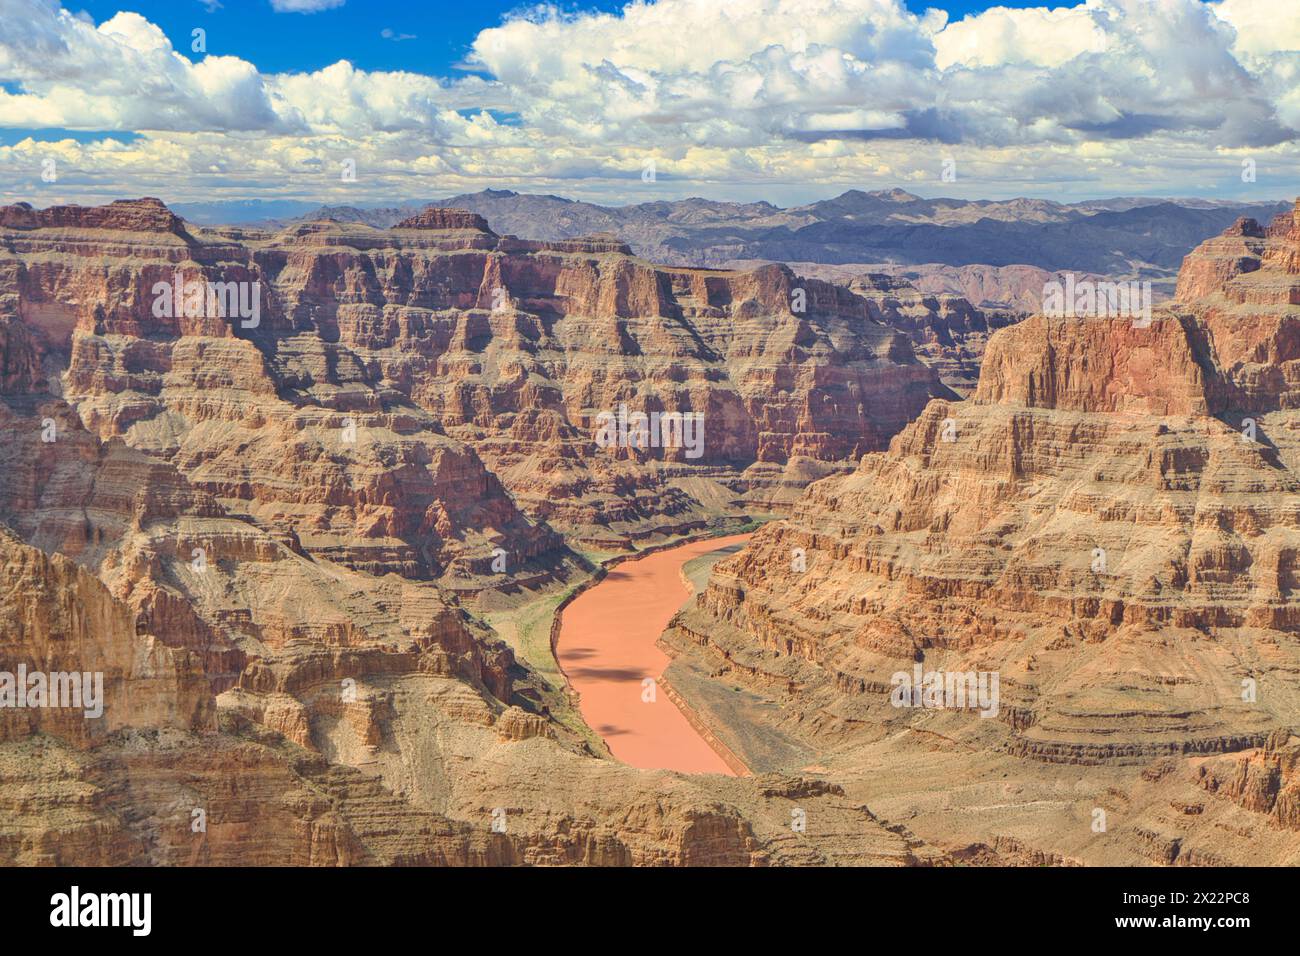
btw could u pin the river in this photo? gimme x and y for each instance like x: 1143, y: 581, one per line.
x: 606, y: 648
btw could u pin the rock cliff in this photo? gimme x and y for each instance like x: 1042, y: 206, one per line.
x: 436, y: 365
x: 1111, y: 524
x: 257, y: 481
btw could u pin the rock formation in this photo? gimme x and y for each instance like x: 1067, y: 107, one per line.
x: 947, y: 332
x: 270, y: 526
x: 1111, y: 524
x: 258, y: 483
x: 378, y: 356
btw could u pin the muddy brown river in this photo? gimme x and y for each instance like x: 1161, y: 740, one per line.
x: 606, y: 648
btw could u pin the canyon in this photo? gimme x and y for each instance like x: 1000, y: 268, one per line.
x: 1111, y: 523
x: 279, y: 537
x: 319, y: 556
x: 513, y: 347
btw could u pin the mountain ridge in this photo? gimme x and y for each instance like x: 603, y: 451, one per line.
x: 880, y: 230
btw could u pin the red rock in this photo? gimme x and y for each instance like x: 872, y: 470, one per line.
x: 200, y: 527
x: 124, y: 215
x: 434, y: 217
x: 973, y: 544
x: 509, y: 346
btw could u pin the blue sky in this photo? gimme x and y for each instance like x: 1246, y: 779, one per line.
x: 783, y: 100
x: 436, y: 34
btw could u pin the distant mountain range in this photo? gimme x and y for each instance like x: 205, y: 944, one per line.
x: 887, y: 230
x: 239, y: 211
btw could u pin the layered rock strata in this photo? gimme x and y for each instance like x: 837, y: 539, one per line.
x: 378, y: 355
x: 1110, y: 525
x: 260, y: 523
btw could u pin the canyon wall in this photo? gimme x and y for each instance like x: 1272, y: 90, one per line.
x: 266, y: 529
x: 418, y: 341
x: 1111, y: 524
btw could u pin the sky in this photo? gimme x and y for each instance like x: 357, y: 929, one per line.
x: 427, y: 37
x: 371, y: 102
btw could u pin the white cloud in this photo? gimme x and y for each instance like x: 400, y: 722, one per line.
x: 756, y: 65
x: 1146, y: 93
x: 1036, y: 37
x: 763, y: 68
x: 1262, y: 27
x: 123, y: 75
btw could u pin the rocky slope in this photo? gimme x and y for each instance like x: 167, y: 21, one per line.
x: 978, y: 265
x: 1017, y: 289
x: 1112, y: 525
x: 947, y: 332
x: 267, y: 532
x: 439, y: 331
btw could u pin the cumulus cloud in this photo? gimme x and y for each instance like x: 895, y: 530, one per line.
x: 122, y: 75
x: 1133, y: 92
x: 1033, y: 37
x: 1105, y: 69
x: 126, y: 75
x: 753, y: 67
x: 1261, y: 28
